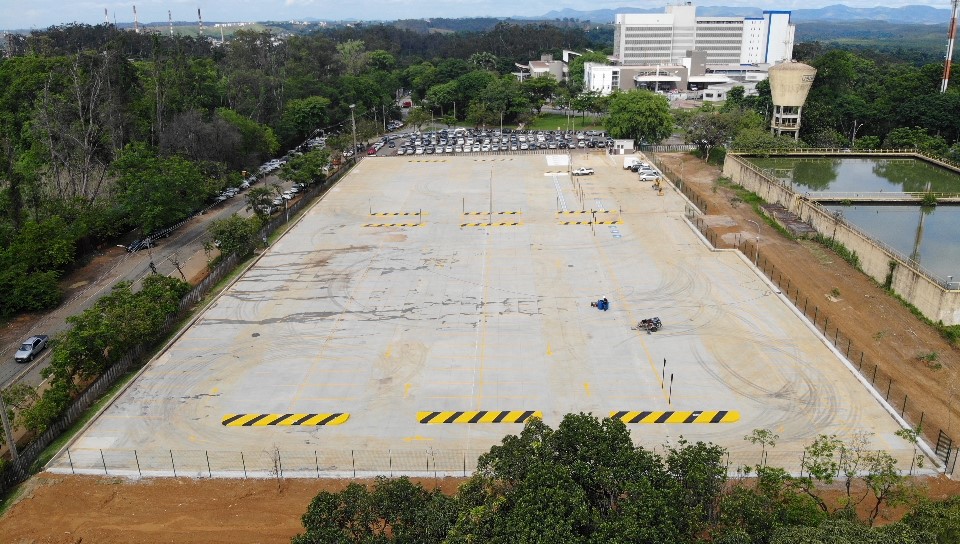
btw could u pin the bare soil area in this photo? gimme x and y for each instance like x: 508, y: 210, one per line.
x: 62, y: 509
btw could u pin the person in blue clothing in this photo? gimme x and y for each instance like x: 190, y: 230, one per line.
x: 606, y: 304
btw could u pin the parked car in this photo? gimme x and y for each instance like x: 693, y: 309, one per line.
x: 583, y: 171
x: 648, y: 176
x: 30, y: 348
x: 144, y: 243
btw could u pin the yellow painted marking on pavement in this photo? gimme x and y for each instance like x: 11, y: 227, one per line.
x: 416, y: 438
x: 490, y: 224
x: 478, y: 416
x: 549, y: 351
x: 582, y: 212
x: 285, y: 420
x: 394, y: 214
x: 614, y: 222
x: 394, y: 224
x: 696, y: 416
x: 586, y: 387
x: 406, y: 390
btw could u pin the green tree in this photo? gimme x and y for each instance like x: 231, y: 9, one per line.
x: 353, y: 56
x: 640, y: 115
x: 302, y: 117
x: 236, y: 234
x: 709, y: 130
x: 154, y: 191
x: 418, y: 117
x: 539, y: 91
x: 309, y: 168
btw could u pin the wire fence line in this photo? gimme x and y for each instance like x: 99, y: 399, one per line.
x: 935, y: 432
x: 351, y: 463
x: 20, y: 469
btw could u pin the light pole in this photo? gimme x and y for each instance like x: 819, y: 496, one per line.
x: 853, y: 137
x: 756, y: 257
x: 353, y: 123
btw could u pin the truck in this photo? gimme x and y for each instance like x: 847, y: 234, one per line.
x: 30, y: 348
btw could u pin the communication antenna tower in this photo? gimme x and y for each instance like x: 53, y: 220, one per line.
x: 136, y: 22
x: 200, y: 18
x: 951, y: 36
x: 106, y: 19
x: 170, y: 20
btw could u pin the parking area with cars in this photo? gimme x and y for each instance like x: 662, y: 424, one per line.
x: 418, y: 298
x: 460, y: 140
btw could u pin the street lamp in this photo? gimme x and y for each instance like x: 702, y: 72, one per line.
x: 853, y: 137
x: 756, y: 257
x: 353, y: 123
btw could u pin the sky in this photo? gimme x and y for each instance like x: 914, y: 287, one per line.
x: 39, y: 14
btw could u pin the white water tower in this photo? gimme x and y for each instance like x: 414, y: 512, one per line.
x: 789, y: 84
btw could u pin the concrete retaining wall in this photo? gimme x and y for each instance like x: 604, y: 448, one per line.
x: 916, y: 286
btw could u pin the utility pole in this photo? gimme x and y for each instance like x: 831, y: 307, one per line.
x: 756, y: 258
x: 951, y: 36
x: 353, y: 123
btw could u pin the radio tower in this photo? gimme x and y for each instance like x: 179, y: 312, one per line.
x: 136, y: 22
x: 951, y: 36
x: 201, y: 22
x: 106, y: 18
x: 170, y: 20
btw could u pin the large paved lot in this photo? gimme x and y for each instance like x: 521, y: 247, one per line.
x: 384, y: 322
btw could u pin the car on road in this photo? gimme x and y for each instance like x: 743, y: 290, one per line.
x: 583, y: 171
x: 30, y: 348
x: 144, y: 243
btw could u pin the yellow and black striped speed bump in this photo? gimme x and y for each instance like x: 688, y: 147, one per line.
x: 283, y: 420
x: 697, y: 416
x: 555, y: 172
x: 489, y: 224
x: 494, y: 213
x: 492, y: 160
x: 393, y: 225
x: 508, y: 213
x: 393, y: 214
x: 615, y: 222
x: 583, y: 212
x: 478, y: 416
x: 476, y: 213
x: 427, y: 160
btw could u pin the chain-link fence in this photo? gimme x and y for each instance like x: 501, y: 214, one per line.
x: 346, y: 463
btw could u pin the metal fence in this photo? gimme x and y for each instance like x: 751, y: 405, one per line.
x: 347, y: 463
x: 933, y: 430
x: 19, y: 470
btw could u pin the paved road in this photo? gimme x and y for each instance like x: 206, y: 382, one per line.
x: 184, y: 246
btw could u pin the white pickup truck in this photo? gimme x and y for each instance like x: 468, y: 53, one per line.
x: 30, y: 348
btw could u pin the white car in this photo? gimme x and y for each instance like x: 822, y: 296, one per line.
x: 583, y: 171
x: 649, y: 176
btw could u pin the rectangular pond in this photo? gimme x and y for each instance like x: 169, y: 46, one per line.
x: 927, y: 235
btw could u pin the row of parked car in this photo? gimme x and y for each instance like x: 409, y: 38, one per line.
x: 462, y: 140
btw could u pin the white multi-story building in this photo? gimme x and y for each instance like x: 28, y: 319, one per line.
x: 665, y: 38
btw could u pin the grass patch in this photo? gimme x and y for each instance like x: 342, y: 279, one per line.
x: 850, y: 256
x: 553, y: 121
x: 11, y: 498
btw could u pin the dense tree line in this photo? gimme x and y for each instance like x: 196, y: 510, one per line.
x: 586, y: 482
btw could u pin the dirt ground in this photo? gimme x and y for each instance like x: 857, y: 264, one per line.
x: 56, y: 508
x: 72, y: 509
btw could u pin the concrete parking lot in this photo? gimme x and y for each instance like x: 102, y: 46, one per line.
x: 399, y: 298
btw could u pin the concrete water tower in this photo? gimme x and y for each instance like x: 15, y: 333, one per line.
x: 789, y: 84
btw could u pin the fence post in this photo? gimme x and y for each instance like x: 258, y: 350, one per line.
x: 104, y: 461
x: 904, y: 407
x: 316, y: 459
x: 353, y: 462
x: 209, y: 472
x: 889, y: 385
x: 174, y: 465
x: 244, y: 463
x: 137, y: 458
x: 279, y: 463
x: 826, y: 320
x: 861, y: 362
x: 874, y: 379
x: 70, y: 458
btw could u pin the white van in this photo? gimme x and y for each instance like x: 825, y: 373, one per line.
x: 630, y: 161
